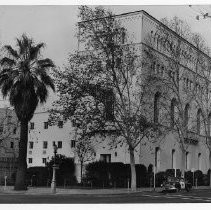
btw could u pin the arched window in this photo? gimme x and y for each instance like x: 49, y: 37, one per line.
x: 173, y: 159
x: 157, y: 158
x: 187, y: 109
x: 199, y: 161
x: 172, y: 111
x: 199, y: 119
x: 187, y: 160
x: 156, y: 107
x: 209, y: 124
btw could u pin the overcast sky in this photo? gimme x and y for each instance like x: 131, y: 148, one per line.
x: 56, y: 25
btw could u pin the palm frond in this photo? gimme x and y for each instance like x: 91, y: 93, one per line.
x: 11, y: 51
x: 7, y: 61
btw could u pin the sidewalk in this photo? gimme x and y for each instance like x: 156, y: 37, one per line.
x: 47, y: 191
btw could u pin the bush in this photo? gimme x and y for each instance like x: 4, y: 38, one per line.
x: 200, y: 178
x: 37, y: 176
x: 102, y: 174
x: 160, y: 177
x: 97, y: 174
x: 171, y: 172
x: 66, y: 171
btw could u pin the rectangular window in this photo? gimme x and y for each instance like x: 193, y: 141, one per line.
x: 31, y: 125
x: 45, y: 145
x: 60, y: 144
x: 105, y: 158
x: 11, y: 144
x: 31, y: 144
x: 54, y: 143
x: 72, y: 143
x: 109, y: 105
x: 60, y: 124
x: 1, y: 129
x: 30, y: 160
x: 44, y: 160
x: 45, y: 125
x: 14, y: 130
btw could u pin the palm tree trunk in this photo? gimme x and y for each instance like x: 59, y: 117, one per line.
x: 133, y: 169
x: 20, y: 183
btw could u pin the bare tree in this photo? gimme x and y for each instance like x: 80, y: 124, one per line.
x: 107, y: 80
x: 176, y: 73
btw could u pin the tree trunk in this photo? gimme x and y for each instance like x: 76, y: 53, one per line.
x: 133, y: 169
x: 20, y: 183
x: 183, y: 163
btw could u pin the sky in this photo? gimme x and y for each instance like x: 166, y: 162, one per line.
x: 55, y: 25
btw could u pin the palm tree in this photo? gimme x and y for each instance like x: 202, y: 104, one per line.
x: 25, y: 81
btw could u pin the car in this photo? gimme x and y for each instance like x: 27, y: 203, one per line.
x: 176, y: 184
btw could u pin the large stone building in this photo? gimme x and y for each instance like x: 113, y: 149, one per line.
x: 9, y: 143
x: 145, y: 32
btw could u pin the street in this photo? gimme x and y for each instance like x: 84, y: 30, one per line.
x: 195, y: 196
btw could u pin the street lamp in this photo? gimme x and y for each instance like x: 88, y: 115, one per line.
x: 53, y: 183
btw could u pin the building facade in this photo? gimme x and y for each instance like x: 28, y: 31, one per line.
x: 9, y: 144
x: 149, y: 35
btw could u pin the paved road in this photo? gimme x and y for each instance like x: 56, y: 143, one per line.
x: 197, y: 196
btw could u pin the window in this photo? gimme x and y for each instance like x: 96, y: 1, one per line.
x: 72, y: 143
x: 60, y: 124
x: 108, y: 101
x: 173, y: 159
x: 31, y: 144
x: 209, y: 124
x: 187, y: 108
x: 14, y: 130
x: 156, y: 107
x: 45, y: 125
x: 115, y: 154
x: 54, y: 143
x: 157, y: 158
x: 45, y: 145
x: 31, y: 125
x: 199, y: 161
x: 44, y: 160
x: 11, y: 144
x: 173, y: 106
x: 105, y: 158
x: 60, y: 144
x: 123, y: 35
x: 187, y: 160
x: 1, y: 129
x: 199, y: 119
x: 30, y: 160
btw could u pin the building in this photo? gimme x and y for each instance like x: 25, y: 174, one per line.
x: 165, y: 153
x: 9, y: 143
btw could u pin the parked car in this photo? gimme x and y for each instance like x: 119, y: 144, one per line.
x: 176, y: 184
